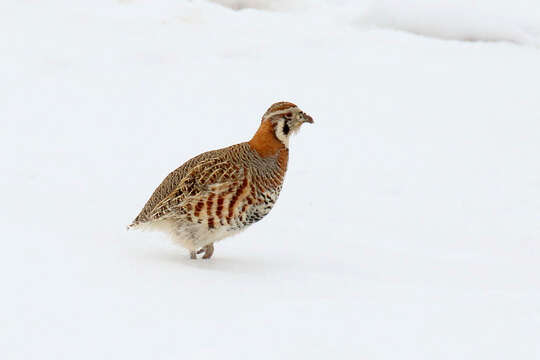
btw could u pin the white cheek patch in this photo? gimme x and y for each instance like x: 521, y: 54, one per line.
x: 280, y: 134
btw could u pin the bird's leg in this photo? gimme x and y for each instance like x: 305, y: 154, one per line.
x: 208, y: 251
x: 192, y: 254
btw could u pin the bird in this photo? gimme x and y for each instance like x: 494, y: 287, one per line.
x: 222, y: 192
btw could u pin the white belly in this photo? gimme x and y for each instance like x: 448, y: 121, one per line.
x: 189, y: 235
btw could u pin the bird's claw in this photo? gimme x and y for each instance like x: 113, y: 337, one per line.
x: 208, y: 250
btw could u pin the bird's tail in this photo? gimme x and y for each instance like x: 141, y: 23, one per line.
x: 132, y: 225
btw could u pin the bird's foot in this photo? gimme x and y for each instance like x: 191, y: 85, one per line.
x: 208, y: 251
x: 192, y: 254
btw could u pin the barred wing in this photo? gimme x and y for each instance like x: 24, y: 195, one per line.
x: 204, y: 182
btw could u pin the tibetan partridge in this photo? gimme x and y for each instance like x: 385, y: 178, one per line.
x: 221, y: 192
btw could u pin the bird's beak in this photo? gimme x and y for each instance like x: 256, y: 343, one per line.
x: 307, y: 119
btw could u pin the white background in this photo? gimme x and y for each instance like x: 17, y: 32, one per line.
x: 408, y: 226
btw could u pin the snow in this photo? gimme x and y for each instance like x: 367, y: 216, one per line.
x: 487, y: 20
x: 407, y: 227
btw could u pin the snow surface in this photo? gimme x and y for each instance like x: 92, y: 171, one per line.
x: 408, y: 227
x: 488, y: 20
